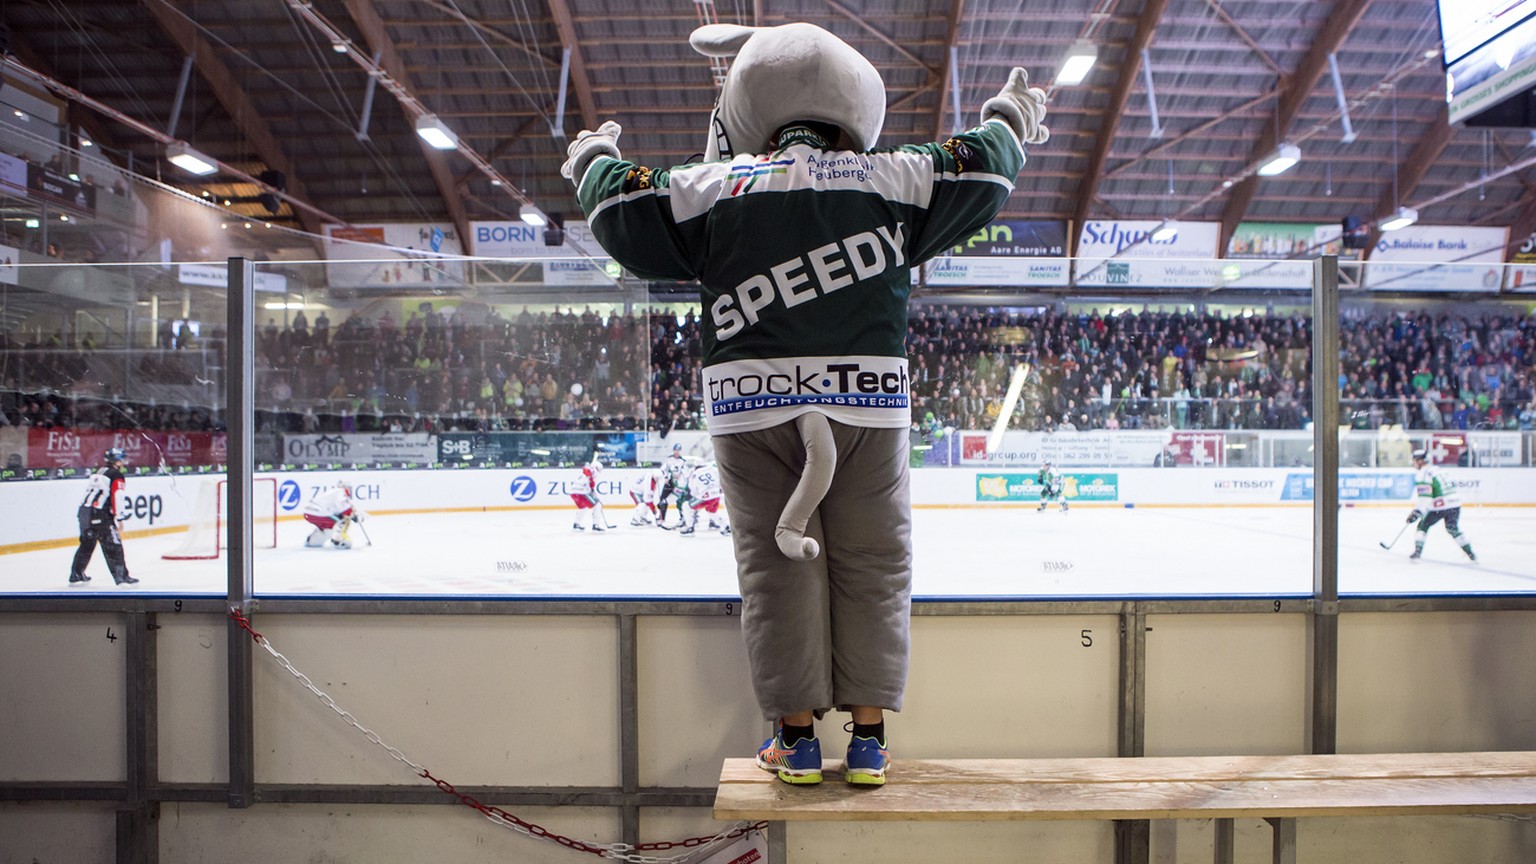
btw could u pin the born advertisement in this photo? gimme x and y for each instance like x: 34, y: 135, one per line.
x: 1076, y: 486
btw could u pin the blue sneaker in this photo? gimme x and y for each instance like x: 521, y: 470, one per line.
x: 866, y: 763
x: 799, y: 765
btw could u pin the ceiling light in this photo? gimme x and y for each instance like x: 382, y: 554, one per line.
x: 189, y: 160
x: 85, y: 142
x: 495, y: 182
x: 339, y: 47
x: 1282, y: 160
x: 1080, y: 59
x: 530, y: 214
x: 436, y: 133
x: 1163, y: 233
x: 1400, y: 218
x: 34, y: 223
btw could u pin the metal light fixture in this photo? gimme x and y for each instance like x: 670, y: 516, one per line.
x: 1163, y: 233
x: 1080, y: 59
x: 436, y: 133
x: 1282, y: 160
x: 1402, y: 217
x: 531, y: 214
x: 339, y: 47
x: 189, y: 160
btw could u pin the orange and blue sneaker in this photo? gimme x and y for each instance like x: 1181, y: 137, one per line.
x: 799, y: 764
x: 867, y: 760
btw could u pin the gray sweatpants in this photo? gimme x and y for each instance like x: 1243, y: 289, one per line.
x: 832, y: 631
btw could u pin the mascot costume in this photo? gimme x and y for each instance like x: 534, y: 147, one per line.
x: 802, y: 236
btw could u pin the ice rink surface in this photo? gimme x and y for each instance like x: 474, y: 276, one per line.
x: 961, y: 553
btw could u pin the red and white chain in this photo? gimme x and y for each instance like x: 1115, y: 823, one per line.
x: 613, y: 851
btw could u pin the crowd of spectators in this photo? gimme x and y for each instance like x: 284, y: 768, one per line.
x: 443, y: 370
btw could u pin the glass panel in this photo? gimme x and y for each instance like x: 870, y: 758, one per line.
x: 1451, y: 381
x: 460, y: 399
x: 98, y: 360
x: 1173, y: 423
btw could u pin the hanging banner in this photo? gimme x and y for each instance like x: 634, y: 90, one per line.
x: 217, y: 276
x: 395, y: 255
x: 49, y: 185
x: 1124, y: 254
x: 1006, y: 252
x: 1521, y: 275
x: 520, y: 241
x: 13, y: 175
x: 1438, y: 258
x: 9, y: 256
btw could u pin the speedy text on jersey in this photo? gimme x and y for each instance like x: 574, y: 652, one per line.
x: 815, y: 273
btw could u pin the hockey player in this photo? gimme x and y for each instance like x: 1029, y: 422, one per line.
x: 645, y: 494
x: 332, y: 512
x: 673, y: 472
x: 1050, y: 486
x: 99, y: 522
x: 1435, y: 500
x: 586, y: 498
x: 703, y: 486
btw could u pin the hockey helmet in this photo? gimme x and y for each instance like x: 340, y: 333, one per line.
x: 596, y: 466
x: 1421, y: 455
x: 677, y: 448
x: 344, y: 486
x: 115, y: 454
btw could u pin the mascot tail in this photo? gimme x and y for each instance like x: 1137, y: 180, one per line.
x: 820, y: 463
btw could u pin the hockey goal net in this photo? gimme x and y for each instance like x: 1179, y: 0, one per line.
x: 208, y: 531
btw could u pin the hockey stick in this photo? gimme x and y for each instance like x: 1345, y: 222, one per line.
x: 360, y: 527
x: 1397, y: 538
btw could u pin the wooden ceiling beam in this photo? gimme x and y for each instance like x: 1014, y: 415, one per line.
x: 581, y: 82
x: 1293, y: 93
x: 237, y: 103
x: 948, y: 70
x: 1109, y: 119
x: 382, y: 46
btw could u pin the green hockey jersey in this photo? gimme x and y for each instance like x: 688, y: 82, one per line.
x: 1432, y: 491
x: 804, y: 258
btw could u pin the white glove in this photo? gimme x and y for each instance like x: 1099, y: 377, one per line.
x: 1021, y: 106
x: 588, y: 146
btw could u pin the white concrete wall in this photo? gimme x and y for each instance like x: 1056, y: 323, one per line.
x: 525, y: 700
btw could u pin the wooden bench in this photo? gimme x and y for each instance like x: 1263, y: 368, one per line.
x: 1276, y: 788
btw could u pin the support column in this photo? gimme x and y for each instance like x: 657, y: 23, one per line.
x: 239, y: 409
x: 1133, y: 837
x: 1323, y: 672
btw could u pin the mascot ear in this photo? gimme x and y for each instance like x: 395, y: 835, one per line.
x: 720, y: 40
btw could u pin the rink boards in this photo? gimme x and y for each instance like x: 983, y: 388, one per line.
x: 506, y: 533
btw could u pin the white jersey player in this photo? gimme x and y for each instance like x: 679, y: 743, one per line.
x: 647, y: 495
x: 703, y: 487
x: 1050, y: 481
x: 1435, y: 499
x: 332, y: 512
x: 674, y: 473
x: 584, y: 493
